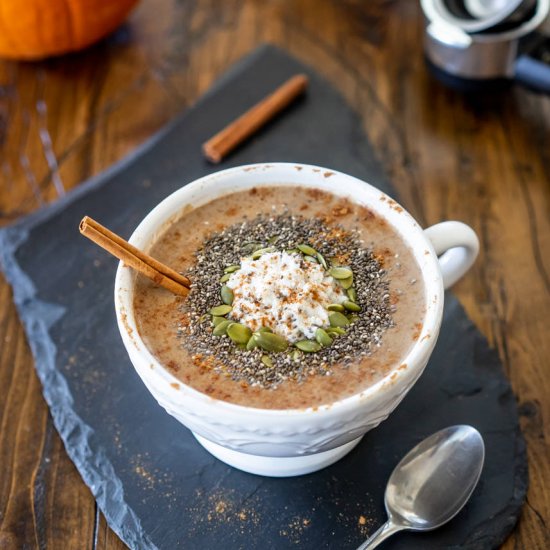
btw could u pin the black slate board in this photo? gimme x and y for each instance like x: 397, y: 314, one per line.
x: 156, y: 486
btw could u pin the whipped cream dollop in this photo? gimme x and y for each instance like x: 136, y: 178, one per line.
x: 284, y: 292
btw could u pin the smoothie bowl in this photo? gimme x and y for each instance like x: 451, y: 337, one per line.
x: 315, y: 304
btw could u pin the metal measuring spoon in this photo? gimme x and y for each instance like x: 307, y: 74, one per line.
x: 432, y: 482
x: 462, y: 13
x: 510, y: 10
x: 486, y: 8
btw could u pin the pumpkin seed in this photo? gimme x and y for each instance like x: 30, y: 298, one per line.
x: 296, y: 355
x: 335, y: 331
x: 220, y: 311
x: 273, y: 239
x: 336, y: 307
x: 221, y: 329
x: 306, y: 249
x: 227, y: 295
x: 346, y: 283
x: 231, y: 268
x: 352, y: 294
x: 292, y: 251
x: 309, y: 346
x: 310, y: 259
x: 322, y: 260
x: 251, y: 344
x: 264, y: 329
x: 338, y: 319
x: 217, y: 320
x: 240, y: 334
x: 260, y: 252
x: 351, y: 306
x: 248, y: 248
x: 322, y: 337
x: 241, y: 346
x: 203, y: 317
x: 225, y: 278
x: 266, y: 360
x: 270, y: 342
x: 353, y: 318
x: 341, y: 272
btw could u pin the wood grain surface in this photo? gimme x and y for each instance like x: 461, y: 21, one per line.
x: 483, y: 160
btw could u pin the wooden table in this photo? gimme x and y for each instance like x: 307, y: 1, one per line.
x: 484, y: 161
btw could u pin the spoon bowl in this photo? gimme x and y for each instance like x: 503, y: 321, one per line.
x: 432, y: 482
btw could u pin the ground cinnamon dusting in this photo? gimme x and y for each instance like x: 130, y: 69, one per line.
x: 219, y: 509
x: 247, y: 513
x: 341, y: 210
x: 417, y: 331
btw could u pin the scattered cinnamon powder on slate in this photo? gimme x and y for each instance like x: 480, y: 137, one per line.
x: 219, y: 509
x: 295, y: 529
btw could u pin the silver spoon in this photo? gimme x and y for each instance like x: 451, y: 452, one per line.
x: 432, y: 482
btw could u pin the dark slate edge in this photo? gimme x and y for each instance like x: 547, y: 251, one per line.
x: 37, y: 317
x: 504, y: 522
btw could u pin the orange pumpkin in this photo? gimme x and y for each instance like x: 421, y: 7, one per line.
x: 33, y: 29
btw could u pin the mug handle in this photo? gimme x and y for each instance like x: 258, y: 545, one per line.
x: 456, y: 245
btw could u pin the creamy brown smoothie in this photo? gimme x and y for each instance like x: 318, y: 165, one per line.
x: 299, y: 298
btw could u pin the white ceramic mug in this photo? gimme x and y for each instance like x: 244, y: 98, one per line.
x: 295, y: 441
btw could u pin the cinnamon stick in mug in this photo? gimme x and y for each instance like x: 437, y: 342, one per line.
x: 133, y: 257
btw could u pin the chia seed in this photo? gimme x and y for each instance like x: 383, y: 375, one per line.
x: 284, y: 232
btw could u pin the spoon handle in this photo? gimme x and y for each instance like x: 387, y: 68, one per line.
x: 387, y: 530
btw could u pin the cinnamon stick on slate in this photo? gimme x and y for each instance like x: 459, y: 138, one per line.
x: 217, y: 147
